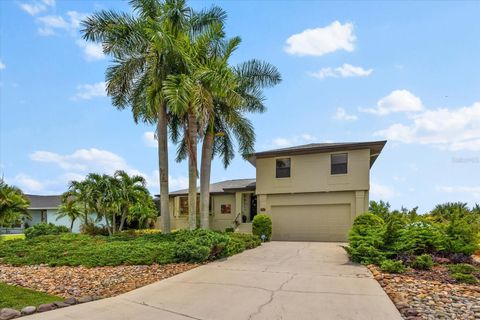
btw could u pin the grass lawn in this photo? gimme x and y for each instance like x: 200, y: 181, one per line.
x: 18, y: 298
x: 5, y: 237
x: 125, y: 249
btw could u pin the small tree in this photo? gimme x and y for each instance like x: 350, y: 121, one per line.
x: 13, y: 204
x: 70, y: 209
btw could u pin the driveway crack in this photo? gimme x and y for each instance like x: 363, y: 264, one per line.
x: 143, y: 303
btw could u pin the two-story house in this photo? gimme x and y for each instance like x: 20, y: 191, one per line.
x: 312, y: 192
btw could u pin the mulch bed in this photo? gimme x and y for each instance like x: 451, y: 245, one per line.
x: 95, y: 282
x: 430, y: 294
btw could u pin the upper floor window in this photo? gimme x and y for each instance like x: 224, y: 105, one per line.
x: 339, y: 163
x: 283, y: 168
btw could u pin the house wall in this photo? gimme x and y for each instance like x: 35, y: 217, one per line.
x: 51, y: 215
x: 311, y: 173
x: 218, y: 220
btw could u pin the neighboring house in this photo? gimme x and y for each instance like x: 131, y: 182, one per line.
x: 45, y: 208
x: 312, y: 192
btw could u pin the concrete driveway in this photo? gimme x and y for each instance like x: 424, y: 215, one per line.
x: 279, y: 280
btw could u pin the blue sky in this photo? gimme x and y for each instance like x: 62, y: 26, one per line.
x: 352, y: 71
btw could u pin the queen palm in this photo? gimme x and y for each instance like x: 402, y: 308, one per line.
x: 146, y: 48
x: 71, y: 210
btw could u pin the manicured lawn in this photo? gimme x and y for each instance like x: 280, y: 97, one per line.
x: 17, y: 298
x: 125, y: 249
x: 5, y: 237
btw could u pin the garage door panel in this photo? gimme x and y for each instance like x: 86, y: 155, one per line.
x: 311, y: 222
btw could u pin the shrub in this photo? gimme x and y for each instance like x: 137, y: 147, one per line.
x: 392, y: 266
x: 423, y: 262
x: 191, y: 252
x: 462, y: 268
x: 465, y: 278
x: 235, y: 245
x: 461, y: 237
x: 262, y: 226
x: 419, y: 238
x: 230, y: 229
x: 366, y: 239
x: 94, y: 230
x: 251, y: 241
x: 42, y: 229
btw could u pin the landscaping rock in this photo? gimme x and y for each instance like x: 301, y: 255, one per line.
x: 28, y: 310
x: 46, y: 307
x: 431, y: 295
x: 84, y: 299
x: 61, y: 304
x: 70, y: 301
x: 7, y: 314
x: 102, y: 282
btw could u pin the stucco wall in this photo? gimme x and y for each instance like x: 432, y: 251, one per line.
x: 311, y: 173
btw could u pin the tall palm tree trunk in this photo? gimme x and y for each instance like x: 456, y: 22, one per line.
x: 205, y: 169
x: 162, y: 138
x: 192, y: 171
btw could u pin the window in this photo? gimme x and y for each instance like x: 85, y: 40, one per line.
x: 339, y: 163
x: 283, y: 168
x: 183, y: 205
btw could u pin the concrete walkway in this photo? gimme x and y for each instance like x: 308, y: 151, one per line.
x: 279, y: 280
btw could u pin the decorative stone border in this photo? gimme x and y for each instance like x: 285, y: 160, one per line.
x: 8, y: 313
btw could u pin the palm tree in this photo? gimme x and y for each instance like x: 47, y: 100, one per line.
x: 220, y: 95
x: 80, y: 193
x: 146, y: 48
x: 13, y: 204
x: 70, y: 209
x: 131, y: 190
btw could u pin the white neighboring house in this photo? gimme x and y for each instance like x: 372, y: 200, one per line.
x: 44, y: 209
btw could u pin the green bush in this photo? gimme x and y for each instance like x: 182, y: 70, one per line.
x: 42, y: 229
x: 462, y: 268
x: 93, y: 230
x: 262, y: 226
x: 423, y: 262
x: 366, y: 239
x: 230, y: 229
x: 419, y: 238
x: 124, y: 248
x: 191, y: 252
x: 461, y: 237
x: 392, y: 266
x: 465, y: 278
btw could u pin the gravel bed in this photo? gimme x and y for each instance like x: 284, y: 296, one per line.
x: 81, y: 281
x: 430, y: 294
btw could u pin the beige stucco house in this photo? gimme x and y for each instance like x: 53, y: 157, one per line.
x: 312, y: 192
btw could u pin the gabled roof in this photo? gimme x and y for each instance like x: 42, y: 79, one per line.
x: 374, y: 146
x: 227, y: 186
x: 43, y: 202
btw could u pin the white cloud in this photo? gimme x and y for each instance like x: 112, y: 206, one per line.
x: 295, y: 140
x: 27, y: 183
x: 396, y: 101
x: 89, y: 91
x: 92, y: 51
x: 35, y: 7
x: 320, y: 41
x: 149, y: 139
x: 454, y: 130
x: 345, y: 71
x: 380, y: 191
x: 473, y: 191
x: 85, y: 160
x: 51, y: 23
x: 177, y: 183
x: 342, y: 115
x: 2, y: 65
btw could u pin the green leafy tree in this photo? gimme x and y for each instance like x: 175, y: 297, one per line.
x: 146, y: 48
x: 13, y: 204
x: 71, y: 210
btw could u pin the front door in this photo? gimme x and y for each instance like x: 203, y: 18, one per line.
x: 253, y: 206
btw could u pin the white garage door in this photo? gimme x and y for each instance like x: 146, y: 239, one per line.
x: 311, y: 222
